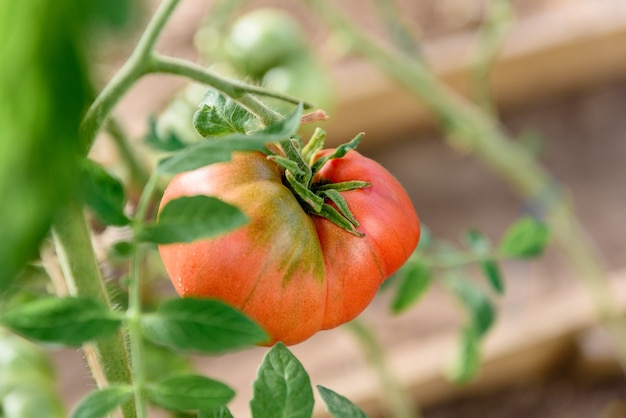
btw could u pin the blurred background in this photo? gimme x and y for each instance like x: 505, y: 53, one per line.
x: 559, y: 83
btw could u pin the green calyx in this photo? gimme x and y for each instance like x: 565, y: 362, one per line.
x: 321, y: 199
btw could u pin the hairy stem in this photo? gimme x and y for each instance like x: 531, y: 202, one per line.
x: 108, y: 358
x: 138, y: 174
x: 392, y: 392
x: 475, y: 131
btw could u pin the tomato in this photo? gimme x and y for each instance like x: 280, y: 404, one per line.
x: 262, y: 39
x: 293, y: 272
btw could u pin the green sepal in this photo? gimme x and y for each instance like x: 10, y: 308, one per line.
x: 335, y: 217
x: 339, y: 152
x: 344, y: 186
x: 315, y: 145
x: 313, y: 201
x: 342, y: 205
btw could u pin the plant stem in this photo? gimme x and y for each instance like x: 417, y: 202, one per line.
x: 82, y: 276
x: 127, y: 75
x: 134, y: 311
x: 474, y: 130
x: 393, y: 394
x: 490, y: 40
x: 138, y: 174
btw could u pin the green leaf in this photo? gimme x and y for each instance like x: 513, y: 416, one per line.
x: 339, y: 406
x: 44, y: 90
x: 219, y: 115
x: 190, y: 218
x: 282, y: 387
x: 524, y: 239
x: 103, y: 193
x: 415, y: 279
x: 201, y: 325
x: 481, y: 246
x: 220, y: 150
x: 68, y: 320
x: 476, y: 302
x: 222, y: 412
x: 162, y: 141
x: 101, y: 402
x: 190, y: 392
x: 467, y: 362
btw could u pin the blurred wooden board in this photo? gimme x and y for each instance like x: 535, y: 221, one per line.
x: 566, y: 49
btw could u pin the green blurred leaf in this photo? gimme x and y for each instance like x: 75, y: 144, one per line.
x: 219, y: 115
x: 27, y: 383
x: 190, y: 392
x: 339, y: 406
x: 103, y: 193
x: 415, y: 279
x: 222, y: 412
x: 282, y: 387
x: 481, y: 246
x: 190, y: 218
x: 524, y: 239
x: 100, y: 403
x: 44, y: 90
x: 162, y: 141
x: 467, y: 362
x: 67, y: 320
x: 476, y: 302
x: 220, y: 150
x: 161, y: 362
x: 201, y: 325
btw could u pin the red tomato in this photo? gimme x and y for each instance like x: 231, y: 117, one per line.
x: 293, y: 272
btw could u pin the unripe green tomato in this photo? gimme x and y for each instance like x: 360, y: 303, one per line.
x: 263, y: 39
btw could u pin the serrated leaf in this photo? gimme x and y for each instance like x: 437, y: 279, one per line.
x: 101, y: 402
x: 219, y: 115
x: 476, y: 302
x: 282, y: 387
x: 222, y: 412
x: 190, y: 392
x: 162, y: 142
x: 415, y: 279
x: 190, y: 218
x: 220, y: 150
x: 68, y: 320
x: 481, y: 246
x: 524, y: 239
x: 467, y: 361
x: 339, y: 406
x: 103, y: 193
x: 201, y: 325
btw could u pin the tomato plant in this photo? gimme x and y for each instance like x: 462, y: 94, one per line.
x: 293, y: 271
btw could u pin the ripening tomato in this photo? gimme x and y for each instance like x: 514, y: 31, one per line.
x: 293, y: 272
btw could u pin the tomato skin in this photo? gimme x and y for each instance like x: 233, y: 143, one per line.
x: 293, y: 272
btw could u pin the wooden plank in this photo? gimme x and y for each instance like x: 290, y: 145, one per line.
x: 563, y: 50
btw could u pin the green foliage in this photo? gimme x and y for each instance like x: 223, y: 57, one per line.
x: 467, y: 361
x: 201, y: 325
x: 190, y: 218
x: 168, y: 141
x: 103, y: 193
x: 524, y: 239
x: 27, y: 384
x: 415, y: 279
x: 219, y: 115
x: 190, y: 392
x: 100, y: 403
x: 69, y: 320
x: 282, y: 387
x: 220, y: 150
x: 475, y: 301
x: 339, y: 406
x: 482, y: 247
x: 43, y: 92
